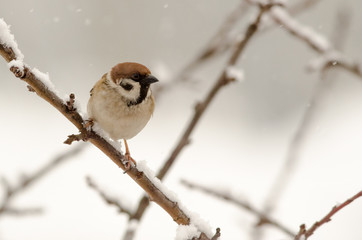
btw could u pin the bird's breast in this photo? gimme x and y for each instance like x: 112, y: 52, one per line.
x: 113, y: 114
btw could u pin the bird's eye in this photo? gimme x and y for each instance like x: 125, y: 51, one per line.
x: 136, y: 76
x: 127, y: 86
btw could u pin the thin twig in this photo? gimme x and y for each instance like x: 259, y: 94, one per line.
x: 306, y: 233
x: 219, y: 43
x: 263, y: 219
x: 315, y: 41
x: 222, y: 41
x: 27, y: 181
x: 22, y: 211
x: 199, y: 110
x: 107, y: 198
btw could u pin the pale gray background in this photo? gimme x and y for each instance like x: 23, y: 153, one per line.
x: 239, y: 145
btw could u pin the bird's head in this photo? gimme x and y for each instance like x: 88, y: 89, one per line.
x: 132, y: 81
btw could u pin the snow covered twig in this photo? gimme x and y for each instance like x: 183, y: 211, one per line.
x: 26, y: 181
x: 330, y: 56
x: 263, y: 219
x: 41, y: 84
x: 306, y: 233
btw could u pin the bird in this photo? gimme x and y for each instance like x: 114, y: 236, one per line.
x: 121, y: 102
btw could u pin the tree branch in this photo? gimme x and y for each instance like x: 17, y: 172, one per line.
x: 316, y: 41
x: 306, y: 233
x: 223, y: 40
x: 27, y: 181
x: 218, y: 44
x: 32, y: 78
x: 263, y: 218
x: 107, y: 198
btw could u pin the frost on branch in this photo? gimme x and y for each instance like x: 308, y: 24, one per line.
x: 315, y: 39
x: 7, y: 39
x: 196, y: 222
x: 16, y: 63
x: 44, y: 78
x: 186, y: 232
x: 234, y: 74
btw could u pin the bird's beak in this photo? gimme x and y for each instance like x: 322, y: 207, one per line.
x: 149, y: 79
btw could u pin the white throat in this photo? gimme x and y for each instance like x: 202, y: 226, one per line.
x: 130, y: 95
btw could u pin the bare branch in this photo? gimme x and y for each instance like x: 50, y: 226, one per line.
x: 263, y: 219
x: 108, y: 199
x: 84, y: 135
x: 27, y: 181
x: 218, y: 44
x: 22, y: 211
x: 307, y: 233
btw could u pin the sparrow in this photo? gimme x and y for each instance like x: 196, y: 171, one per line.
x: 121, y: 102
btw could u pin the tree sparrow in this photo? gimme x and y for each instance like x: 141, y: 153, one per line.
x: 121, y: 102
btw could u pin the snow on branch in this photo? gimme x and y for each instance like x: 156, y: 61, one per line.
x: 317, y: 41
x: 235, y: 74
x: 330, y: 57
x: 7, y: 39
x: 39, y: 83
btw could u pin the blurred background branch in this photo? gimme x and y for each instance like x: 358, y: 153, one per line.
x: 262, y: 218
x: 306, y: 233
x: 28, y: 180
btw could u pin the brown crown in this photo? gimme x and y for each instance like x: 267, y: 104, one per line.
x: 127, y: 69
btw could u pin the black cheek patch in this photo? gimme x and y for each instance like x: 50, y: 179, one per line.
x: 127, y: 86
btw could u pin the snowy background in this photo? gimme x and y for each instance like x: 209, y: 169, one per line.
x: 239, y: 145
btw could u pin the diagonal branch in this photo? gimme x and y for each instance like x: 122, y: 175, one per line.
x: 200, y: 108
x: 35, y: 79
x: 107, y: 198
x: 224, y: 40
x: 263, y: 218
x: 221, y: 41
x: 306, y: 233
x: 27, y: 181
x: 315, y: 41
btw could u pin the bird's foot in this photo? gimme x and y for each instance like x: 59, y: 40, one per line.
x: 89, y: 123
x: 129, y: 162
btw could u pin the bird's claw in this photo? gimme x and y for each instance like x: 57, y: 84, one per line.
x: 129, y: 162
x: 89, y: 124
